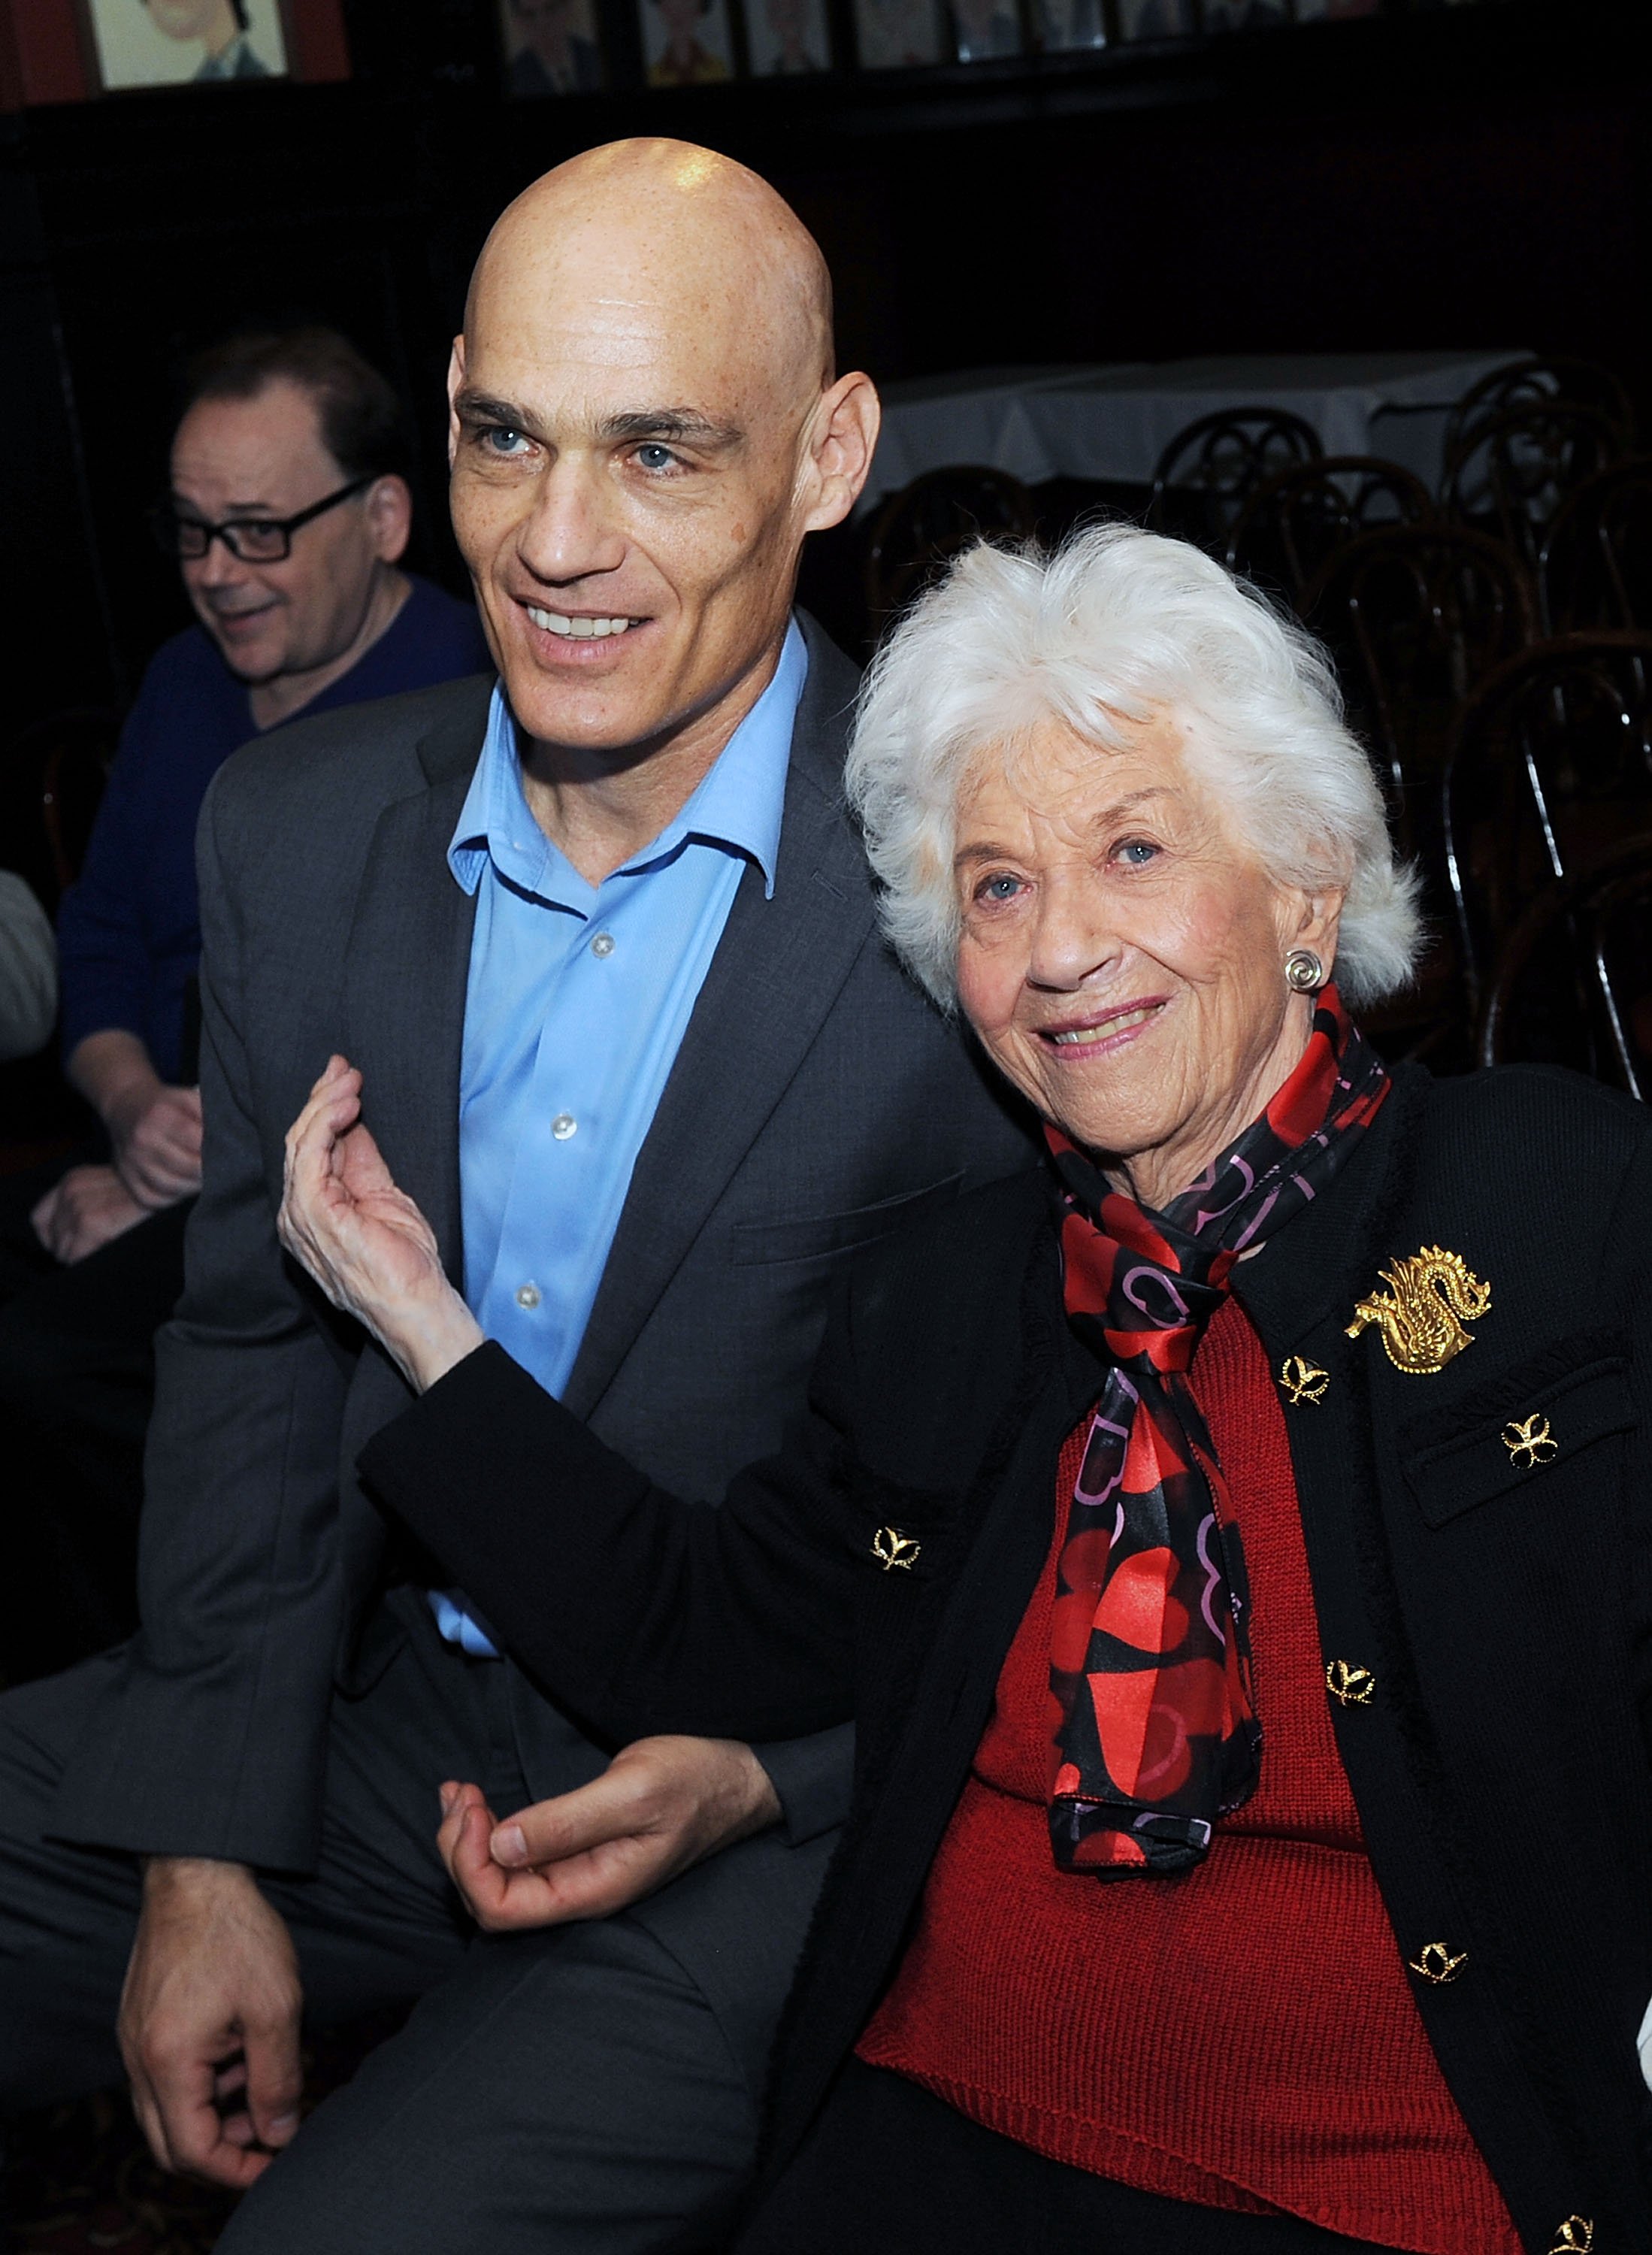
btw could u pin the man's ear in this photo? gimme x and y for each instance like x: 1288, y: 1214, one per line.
x: 455, y: 378
x: 390, y: 516
x: 842, y: 436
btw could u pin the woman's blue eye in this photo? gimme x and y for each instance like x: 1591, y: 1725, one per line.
x: 1000, y: 888
x: 1136, y: 852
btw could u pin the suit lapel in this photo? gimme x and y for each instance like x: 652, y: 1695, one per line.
x: 777, y: 972
x: 406, y: 968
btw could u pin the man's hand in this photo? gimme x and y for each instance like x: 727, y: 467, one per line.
x: 88, y: 1207
x: 660, y: 1806
x: 209, y: 2014
x: 155, y: 1128
x: 365, y: 1242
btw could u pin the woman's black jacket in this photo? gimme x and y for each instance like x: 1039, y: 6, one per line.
x: 1502, y: 1608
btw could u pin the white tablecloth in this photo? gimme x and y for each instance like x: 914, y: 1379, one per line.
x: 1113, y: 422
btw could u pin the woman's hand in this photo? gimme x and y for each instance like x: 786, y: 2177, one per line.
x: 366, y: 1243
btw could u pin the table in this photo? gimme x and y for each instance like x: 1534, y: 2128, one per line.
x: 1112, y: 421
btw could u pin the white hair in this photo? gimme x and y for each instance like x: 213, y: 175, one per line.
x: 1115, y: 626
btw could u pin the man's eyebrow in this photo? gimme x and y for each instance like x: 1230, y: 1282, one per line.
x: 985, y: 850
x: 482, y: 407
x: 686, y: 423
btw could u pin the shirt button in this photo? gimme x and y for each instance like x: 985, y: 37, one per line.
x: 564, y: 1126
x: 527, y: 1295
x: 603, y: 943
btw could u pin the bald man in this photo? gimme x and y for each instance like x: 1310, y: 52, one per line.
x: 602, y: 943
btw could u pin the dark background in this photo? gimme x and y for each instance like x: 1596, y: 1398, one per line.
x: 1473, y: 176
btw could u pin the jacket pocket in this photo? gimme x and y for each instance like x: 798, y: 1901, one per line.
x: 1529, y: 1424
x: 759, y: 1243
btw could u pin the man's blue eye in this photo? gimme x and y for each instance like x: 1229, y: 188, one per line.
x: 503, y: 441
x: 655, y: 457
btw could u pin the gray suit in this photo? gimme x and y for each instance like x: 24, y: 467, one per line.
x: 287, y: 1704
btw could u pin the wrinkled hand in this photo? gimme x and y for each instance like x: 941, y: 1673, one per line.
x: 365, y: 1242
x: 88, y: 1207
x: 156, y: 1132
x: 661, y: 1805
x: 210, y: 2011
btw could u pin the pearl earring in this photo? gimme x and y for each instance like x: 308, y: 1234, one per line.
x: 1303, y: 971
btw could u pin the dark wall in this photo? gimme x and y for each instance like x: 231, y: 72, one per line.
x: 1476, y: 176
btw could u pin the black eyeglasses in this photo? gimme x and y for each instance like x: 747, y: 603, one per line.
x: 253, y: 539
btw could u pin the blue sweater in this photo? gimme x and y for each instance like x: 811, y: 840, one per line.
x: 129, y: 933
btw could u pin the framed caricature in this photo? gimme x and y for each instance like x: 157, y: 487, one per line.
x: 146, y: 43
x: 785, y: 39
x: 1154, y: 19
x: 551, y: 46
x: 1066, y: 25
x: 1243, y: 15
x: 899, y: 34
x: 985, y: 29
x: 687, y: 42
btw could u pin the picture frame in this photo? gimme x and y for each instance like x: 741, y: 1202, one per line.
x: 1334, y: 12
x: 1243, y: 15
x: 133, y: 45
x: 1070, y: 26
x: 1154, y: 19
x: 899, y: 34
x: 551, y: 47
x: 787, y: 39
x: 985, y: 31
x: 687, y: 42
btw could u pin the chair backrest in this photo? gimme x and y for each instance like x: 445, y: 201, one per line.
x: 1510, y: 473
x: 1573, y: 983
x: 1417, y: 615
x: 1551, y: 765
x: 1289, y: 530
x: 919, y: 530
x: 1210, y: 469
x: 1596, y: 566
x: 69, y: 753
x: 1535, y: 379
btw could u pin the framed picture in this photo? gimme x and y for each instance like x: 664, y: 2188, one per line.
x: 551, y: 47
x: 898, y: 34
x: 1154, y: 19
x: 1333, y: 11
x: 983, y: 29
x: 1064, y: 24
x: 687, y: 42
x: 784, y: 39
x: 1243, y: 15
x: 137, y: 43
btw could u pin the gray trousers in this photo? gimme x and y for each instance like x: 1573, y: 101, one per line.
x: 593, y: 2088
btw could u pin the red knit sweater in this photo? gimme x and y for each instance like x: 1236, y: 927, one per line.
x: 1243, y: 2036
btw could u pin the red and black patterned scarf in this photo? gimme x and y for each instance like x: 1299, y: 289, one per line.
x: 1150, y: 1653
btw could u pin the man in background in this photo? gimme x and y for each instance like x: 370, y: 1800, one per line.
x: 288, y: 514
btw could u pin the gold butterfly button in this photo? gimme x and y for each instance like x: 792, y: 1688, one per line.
x: 1529, y: 1442
x: 1436, y: 1963
x: 895, y: 1551
x: 1302, y: 1380
x: 1576, y: 2236
x: 1348, y: 1685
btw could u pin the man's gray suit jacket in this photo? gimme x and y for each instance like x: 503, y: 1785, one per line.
x: 817, y: 1102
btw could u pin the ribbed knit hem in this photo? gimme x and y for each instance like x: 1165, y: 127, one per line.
x: 1103, y: 2152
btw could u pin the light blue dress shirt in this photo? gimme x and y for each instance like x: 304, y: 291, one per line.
x: 577, y: 1000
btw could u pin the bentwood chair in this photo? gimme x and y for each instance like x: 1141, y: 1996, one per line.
x: 927, y: 524
x: 1573, y: 983
x: 1210, y: 470
x: 1532, y: 382
x: 1510, y: 474
x: 1551, y: 765
x: 1287, y: 533
x: 1596, y: 566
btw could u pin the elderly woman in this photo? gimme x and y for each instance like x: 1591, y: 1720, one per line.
x: 1232, y: 1548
